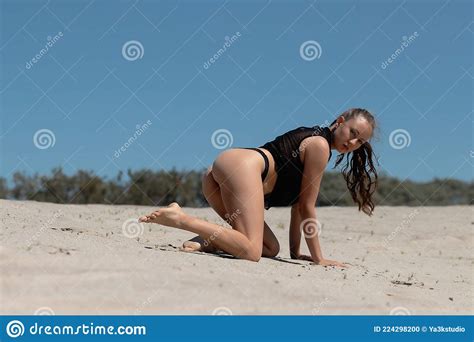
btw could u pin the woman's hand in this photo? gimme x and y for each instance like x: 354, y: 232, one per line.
x: 322, y: 262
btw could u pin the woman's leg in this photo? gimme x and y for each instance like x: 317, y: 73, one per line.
x: 212, y: 193
x: 242, y: 194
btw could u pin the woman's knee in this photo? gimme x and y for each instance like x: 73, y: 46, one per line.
x: 252, y: 251
x: 253, y: 254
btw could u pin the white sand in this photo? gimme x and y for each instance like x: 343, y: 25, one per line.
x: 75, y: 259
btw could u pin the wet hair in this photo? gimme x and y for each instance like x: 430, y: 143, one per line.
x: 359, y: 171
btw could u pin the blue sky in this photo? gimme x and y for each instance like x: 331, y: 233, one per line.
x: 89, y: 92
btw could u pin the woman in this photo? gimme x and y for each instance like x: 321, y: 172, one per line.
x: 286, y: 171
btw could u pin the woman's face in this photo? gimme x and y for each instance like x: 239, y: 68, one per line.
x: 351, y: 134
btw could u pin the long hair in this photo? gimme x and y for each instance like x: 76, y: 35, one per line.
x: 359, y: 170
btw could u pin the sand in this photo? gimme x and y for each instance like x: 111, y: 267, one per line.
x: 89, y: 259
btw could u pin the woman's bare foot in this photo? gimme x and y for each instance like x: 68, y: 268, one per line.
x: 171, y: 216
x: 198, y: 244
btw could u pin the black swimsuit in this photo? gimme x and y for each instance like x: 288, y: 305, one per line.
x: 288, y: 166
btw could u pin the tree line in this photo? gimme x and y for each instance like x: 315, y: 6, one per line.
x: 159, y: 188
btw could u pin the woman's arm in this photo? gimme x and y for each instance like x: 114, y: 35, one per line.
x: 295, y: 232
x: 295, y: 235
x: 310, y: 231
x: 315, y: 161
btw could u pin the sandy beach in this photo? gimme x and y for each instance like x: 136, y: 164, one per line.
x: 95, y: 259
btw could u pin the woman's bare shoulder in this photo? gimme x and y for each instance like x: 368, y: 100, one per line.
x: 317, y: 144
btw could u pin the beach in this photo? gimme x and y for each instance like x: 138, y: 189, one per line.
x: 97, y: 260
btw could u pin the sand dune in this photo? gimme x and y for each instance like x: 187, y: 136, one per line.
x: 89, y: 259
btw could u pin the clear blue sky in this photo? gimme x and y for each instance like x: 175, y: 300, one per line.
x: 91, y: 97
